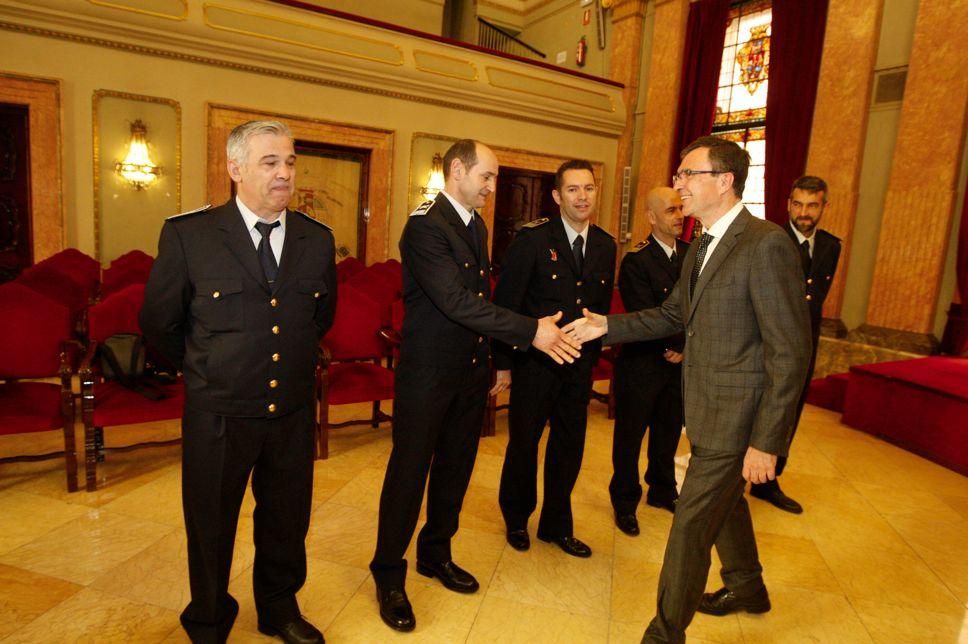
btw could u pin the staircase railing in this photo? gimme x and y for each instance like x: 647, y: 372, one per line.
x: 493, y: 37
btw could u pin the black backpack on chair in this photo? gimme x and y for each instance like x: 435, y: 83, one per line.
x: 123, y: 360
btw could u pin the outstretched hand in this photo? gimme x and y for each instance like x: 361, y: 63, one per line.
x: 554, y: 341
x: 587, y: 328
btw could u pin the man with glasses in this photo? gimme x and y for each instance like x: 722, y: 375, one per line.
x: 741, y: 304
x: 819, y: 253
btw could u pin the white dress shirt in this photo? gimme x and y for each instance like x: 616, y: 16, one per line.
x: 718, y: 229
x: 801, y: 239
x: 668, y: 250
x: 276, y: 238
x: 573, y: 234
x: 465, y: 214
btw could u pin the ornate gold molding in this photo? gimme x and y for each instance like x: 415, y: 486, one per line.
x: 96, y: 151
x: 473, y: 76
x: 117, y: 4
x: 209, y: 10
x: 493, y: 74
x: 304, y: 78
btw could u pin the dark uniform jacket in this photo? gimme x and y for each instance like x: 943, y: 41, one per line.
x: 645, y: 280
x: 539, y: 277
x: 245, y: 350
x: 823, y: 265
x: 446, y: 292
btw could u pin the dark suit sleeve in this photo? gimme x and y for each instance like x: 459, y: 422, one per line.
x: 777, y: 296
x: 648, y: 324
x: 326, y: 310
x: 635, y: 285
x: 168, y: 295
x: 512, y: 287
x: 429, y: 258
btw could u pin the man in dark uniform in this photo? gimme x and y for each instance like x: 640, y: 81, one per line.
x: 819, y: 254
x: 549, y: 267
x: 442, y: 378
x: 648, y: 374
x: 238, y: 300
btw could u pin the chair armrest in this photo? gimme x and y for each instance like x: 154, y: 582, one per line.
x: 390, y: 336
x: 325, y: 356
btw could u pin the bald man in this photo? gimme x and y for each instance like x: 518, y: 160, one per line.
x: 648, y: 388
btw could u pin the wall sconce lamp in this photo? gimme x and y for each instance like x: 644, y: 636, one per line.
x: 435, y: 180
x: 137, y: 167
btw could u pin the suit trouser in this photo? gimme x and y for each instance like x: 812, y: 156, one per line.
x: 437, y: 416
x: 218, y: 455
x: 711, y: 510
x: 541, y: 393
x: 781, y: 461
x: 645, y: 397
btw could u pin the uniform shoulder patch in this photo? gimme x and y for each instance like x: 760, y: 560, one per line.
x: 423, y: 208
x: 541, y: 221
x: 602, y: 230
x: 197, y: 211
x: 315, y: 221
x: 642, y: 244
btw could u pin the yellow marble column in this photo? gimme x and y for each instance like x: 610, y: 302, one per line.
x: 661, y: 105
x: 920, y: 201
x: 840, y: 121
x: 625, y: 64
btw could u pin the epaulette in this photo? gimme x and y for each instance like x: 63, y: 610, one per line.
x: 315, y: 221
x: 197, y: 211
x: 603, y: 230
x: 541, y: 221
x: 423, y: 208
x: 642, y: 244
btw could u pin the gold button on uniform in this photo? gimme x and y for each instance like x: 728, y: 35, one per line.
x: 578, y: 301
x: 316, y: 295
x: 275, y: 329
x: 275, y: 357
x: 273, y: 302
x: 809, y: 280
x: 480, y: 339
x: 480, y: 294
x: 809, y: 297
x: 578, y: 283
x: 273, y: 383
x: 271, y: 408
x: 217, y: 294
x: 482, y: 272
x: 554, y: 276
x: 467, y: 264
x: 473, y: 360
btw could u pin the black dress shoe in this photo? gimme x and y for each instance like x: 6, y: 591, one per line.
x: 570, y: 545
x: 519, y: 539
x: 774, y: 495
x: 298, y: 631
x: 627, y: 523
x: 452, y: 576
x: 395, y: 609
x: 662, y: 504
x: 724, y: 602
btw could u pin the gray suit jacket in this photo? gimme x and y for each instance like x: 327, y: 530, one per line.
x: 747, y: 338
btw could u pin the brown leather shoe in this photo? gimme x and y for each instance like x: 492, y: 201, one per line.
x: 724, y: 602
x: 298, y: 631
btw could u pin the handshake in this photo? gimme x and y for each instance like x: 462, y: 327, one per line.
x: 563, y: 344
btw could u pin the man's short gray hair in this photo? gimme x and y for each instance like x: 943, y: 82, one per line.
x: 237, y: 145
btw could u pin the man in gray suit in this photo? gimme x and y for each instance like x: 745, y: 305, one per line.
x: 741, y: 303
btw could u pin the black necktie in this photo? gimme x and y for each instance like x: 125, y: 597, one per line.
x: 268, y: 259
x: 472, y: 229
x: 576, y: 247
x: 704, y: 242
x: 673, y: 258
x: 805, y: 257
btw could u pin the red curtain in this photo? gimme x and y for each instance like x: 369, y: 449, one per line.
x: 701, y: 60
x: 796, y: 46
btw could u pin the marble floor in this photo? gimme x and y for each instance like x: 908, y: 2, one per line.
x: 878, y: 555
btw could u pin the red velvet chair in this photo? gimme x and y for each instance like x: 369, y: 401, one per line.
x: 62, y: 288
x: 347, y: 268
x: 381, y: 284
x: 34, y: 333
x: 107, y: 403
x: 81, y: 268
x: 131, y: 268
x: 351, y: 370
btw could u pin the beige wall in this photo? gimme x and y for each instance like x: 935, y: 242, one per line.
x: 422, y: 15
x: 557, y: 26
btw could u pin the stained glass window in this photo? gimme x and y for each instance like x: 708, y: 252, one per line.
x: 743, y: 80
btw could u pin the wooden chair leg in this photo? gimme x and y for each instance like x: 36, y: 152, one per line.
x: 90, y: 458
x: 375, y: 420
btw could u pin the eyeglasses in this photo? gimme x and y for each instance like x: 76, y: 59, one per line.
x: 682, y: 175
